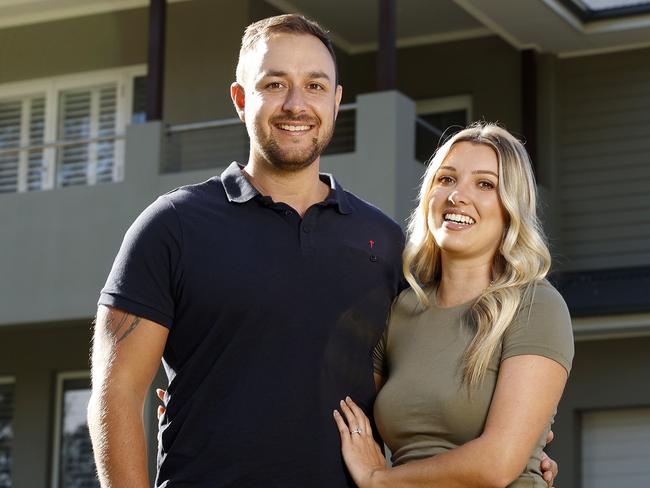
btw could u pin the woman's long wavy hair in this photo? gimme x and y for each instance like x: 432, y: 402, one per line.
x: 521, y: 260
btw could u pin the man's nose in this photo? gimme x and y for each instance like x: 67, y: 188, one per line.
x: 295, y: 101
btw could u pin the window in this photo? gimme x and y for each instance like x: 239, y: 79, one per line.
x: 615, y: 448
x: 438, y: 118
x: 74, y: 465
x: 6, y: 429
x: 67, y: 130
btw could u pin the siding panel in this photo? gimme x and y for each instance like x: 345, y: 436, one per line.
x: 604, y: 160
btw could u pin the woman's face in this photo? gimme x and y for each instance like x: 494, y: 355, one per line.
x: 466, y: 218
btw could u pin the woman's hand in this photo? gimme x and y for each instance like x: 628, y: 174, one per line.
x: 362, y: 455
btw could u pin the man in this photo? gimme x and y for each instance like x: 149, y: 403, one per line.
x: 263, y: 291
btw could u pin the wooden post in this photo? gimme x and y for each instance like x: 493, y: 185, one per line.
x: 387, y: 52
x: 529, y: 102
x: 156, y: 59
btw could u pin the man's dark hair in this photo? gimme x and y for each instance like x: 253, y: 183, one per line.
x: 282, y: 24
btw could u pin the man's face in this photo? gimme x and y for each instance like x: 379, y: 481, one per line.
x: 290, y: 100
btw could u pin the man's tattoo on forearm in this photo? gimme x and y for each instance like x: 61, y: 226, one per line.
x: 115, y: 330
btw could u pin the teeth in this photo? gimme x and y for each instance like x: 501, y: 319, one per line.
x: 294, y: 128
x: 460, y: 219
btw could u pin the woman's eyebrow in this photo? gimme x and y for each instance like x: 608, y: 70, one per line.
x: 485, y: 172
x: 475, y: 172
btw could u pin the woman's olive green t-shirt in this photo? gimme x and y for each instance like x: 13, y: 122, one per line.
x: 423, y: 408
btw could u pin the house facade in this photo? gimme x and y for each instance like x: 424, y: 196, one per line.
x: 79, y: 160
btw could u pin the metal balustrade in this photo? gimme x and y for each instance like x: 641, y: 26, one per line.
x: 60, y: 163
x: 214, y: 143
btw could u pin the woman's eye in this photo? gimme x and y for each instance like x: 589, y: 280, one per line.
x: 486, y: 185
x: 445, y: 180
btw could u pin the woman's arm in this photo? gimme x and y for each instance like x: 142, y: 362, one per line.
x: 516, y: 420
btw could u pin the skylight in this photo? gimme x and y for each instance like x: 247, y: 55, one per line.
x: 596, y: 5
x: 589, y: 10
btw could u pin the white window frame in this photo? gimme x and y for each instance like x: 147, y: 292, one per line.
x: 58, y: 427
x: 10, y: 380
x: 445, y: 104
x: 51, y: 89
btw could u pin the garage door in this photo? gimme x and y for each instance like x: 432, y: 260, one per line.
x: 616, y: 448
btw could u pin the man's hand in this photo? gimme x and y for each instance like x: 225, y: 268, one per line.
x: 161, y: 409
x: 548, y: 466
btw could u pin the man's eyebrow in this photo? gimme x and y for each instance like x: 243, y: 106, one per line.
x: 318, y: 74
x: 274, y: 73
x: 279, y: 74
x: 476, y: 172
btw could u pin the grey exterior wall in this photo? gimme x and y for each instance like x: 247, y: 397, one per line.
x: 603, y: 160
x: 606, y: 374
x: 487, y: 68
x: 33, y: 356
x: 202, y: 49
x: 73, y: 45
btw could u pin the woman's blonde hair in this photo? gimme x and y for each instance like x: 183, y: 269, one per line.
x: 522, y: 258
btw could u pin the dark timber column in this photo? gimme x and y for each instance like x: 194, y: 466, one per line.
x: 387, y: 52
x: 156, y: 59
x: 529, y: 102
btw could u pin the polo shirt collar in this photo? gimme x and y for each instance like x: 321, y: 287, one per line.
x: 239, y: 189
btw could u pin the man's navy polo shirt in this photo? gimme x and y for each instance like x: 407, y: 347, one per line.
x: 272, y: 320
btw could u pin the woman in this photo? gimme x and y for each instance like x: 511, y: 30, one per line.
x: 477, y: 352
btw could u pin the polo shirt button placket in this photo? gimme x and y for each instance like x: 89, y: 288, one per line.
x: 306, y: 236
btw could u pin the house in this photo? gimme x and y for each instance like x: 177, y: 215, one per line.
x: 79, y: 159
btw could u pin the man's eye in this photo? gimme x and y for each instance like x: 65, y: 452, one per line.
x: 315, y: 86
x: 274, y: 85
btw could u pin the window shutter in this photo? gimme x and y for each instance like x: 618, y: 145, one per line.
x: 74, y: 125
x: 106, y: 128
x: 36, y: 165
x: 10, y: 125
x: 6, y: 432
x: 88, y: 116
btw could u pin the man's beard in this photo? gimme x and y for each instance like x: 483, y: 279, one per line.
x: 286, y: 159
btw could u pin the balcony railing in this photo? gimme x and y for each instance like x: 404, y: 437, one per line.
x: 427, y: 139
x: 213, y: 143
x: 61, y: 163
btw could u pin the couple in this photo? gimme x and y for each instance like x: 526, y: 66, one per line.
x: 265, y: 291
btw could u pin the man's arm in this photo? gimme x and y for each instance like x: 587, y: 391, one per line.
x: 126, y: 354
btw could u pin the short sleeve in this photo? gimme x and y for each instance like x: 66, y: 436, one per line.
x: 543, y: 328
x: 144, y: 274
x: 379, y: 356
